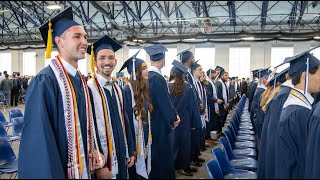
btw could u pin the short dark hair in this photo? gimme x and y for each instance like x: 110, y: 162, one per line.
x: 6, y: 75
x: 296, y: 79
x: 5, y: 72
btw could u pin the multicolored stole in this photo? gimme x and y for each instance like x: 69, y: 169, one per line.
x: 77, y: 165
x: 104, y: 124
x: 142, y: 151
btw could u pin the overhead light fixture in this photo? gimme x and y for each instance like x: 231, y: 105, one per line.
x: 248, y: 38
x: 4, y: 10
x: 139, y: 40
x: 316, y: 37
x: 191, y: 39
x: 54, y: 7
x: 134, y: 40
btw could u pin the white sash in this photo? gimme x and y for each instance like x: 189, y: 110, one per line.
x: 224, y: 92
x: 68, y: 108
x: 141, y: 168
x: 102, y: 126
x: 214, y: 93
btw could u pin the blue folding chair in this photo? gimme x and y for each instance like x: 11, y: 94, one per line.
x: 240, y: 137
x: 239, y: 162
x: 238, y: 144
x: 229, y: 171
x: 17, y: 126
x: 214, y: 169
x: 242, y: 151
x: 233, y: 124
x: 13, y: 113
x: 4, y: 134
x: 4, y: 122
x: 8, y: 160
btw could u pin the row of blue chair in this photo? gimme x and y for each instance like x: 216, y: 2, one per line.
x: 8, y: 160
x: 16, y: 121
x: 236, y: 158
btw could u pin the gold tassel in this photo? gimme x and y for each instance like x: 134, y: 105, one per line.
x: 49, y: 42
x: 92, y: 59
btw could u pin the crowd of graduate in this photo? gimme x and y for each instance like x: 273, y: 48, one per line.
x: 96, y: 127
x: 284, y: 110
x: 152, y: 128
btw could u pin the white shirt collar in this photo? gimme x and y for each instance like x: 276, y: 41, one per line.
x: 288, y: 83
x: 308, y: 96
x: 70, y: 69
x: 154, y: 69
x: 261, y: 86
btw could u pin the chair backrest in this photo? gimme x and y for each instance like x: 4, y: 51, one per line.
x: 227, y: 147
x: 229, y: 137
x: 233, y: 132
x: 17, y: 126
x: 13, y: 113
x: 3, y: 132
x: 7, y: 154
x: 214, y: 169
x: 3, y: 119
x: 220, y: 156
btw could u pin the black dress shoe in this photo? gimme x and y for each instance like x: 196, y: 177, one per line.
x: 192, y: 169
x: 200, y: 160
x: 186, y: 172
x: 196, y: 163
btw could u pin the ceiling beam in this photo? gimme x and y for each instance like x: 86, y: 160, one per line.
x: 303, y: 7
x: 264, y: 12
x: 292, y: 17
x: 130, y: 11
x: 232, y: 14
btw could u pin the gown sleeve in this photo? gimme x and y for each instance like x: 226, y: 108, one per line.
x: 38, y: 152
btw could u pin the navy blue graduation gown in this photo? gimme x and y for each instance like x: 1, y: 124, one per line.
x: 254, y: 106
x: 190, y: 81
x: 232, y: 91
x: 259, y: 121
x: 163, y: 117
x: 220, y: 96
x: 291, y: 142
x: 43, y: 143
x: 313, y: 145
x: 252, y: 89
x: 211, y: 101
x: 186, y: 105
x: 118, y: 134
x: 268, y: 135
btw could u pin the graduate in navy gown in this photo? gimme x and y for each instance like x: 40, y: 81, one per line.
x: 291, y: 138
x: 112, y: 121
x: 213, y: 100
x: 46, y: 143
x: 187, y: 58
x: 269, y: 127
x: 232, y: 92
x: 252, y: 87
x: 223, y: 94
x: 139, y: 108
x: 313, y: 145
x: 263, y: 79
x: 164, y: 118
x: 185, y: 102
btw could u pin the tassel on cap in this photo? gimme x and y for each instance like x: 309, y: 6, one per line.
x: 92, y: 59
x: 307, y: 78
x: 49, y: 41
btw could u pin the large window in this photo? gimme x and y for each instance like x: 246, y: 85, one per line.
x: 278, y: 54
x: 316, y: 52
x: 171, y: 55
x: 5, y: 62
x: 239, y: 62
x: 29, y: 63
x: 206, y: 57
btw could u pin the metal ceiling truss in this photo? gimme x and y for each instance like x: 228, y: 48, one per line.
x: 156, y: 19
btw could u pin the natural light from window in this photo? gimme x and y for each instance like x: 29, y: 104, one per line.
x: 206, y: 57
x: 239, y: 62
x: 171, y: 55
x: 278, y: 54
x: 5, y: 62
x: 29, y: 63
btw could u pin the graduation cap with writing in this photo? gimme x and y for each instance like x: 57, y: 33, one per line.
x: 103, y: 43
x: 185, y: 55
x: 156, y: 51
x: 178, y: 68
x: 119, y: 74
x: 56, y: 27
x: 132, y: 64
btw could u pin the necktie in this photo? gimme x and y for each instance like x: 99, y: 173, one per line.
x: 111, y: 83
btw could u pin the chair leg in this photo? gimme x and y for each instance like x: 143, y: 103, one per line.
x: 15, y: 177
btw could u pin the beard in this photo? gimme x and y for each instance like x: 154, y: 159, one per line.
x: 106, y: 69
